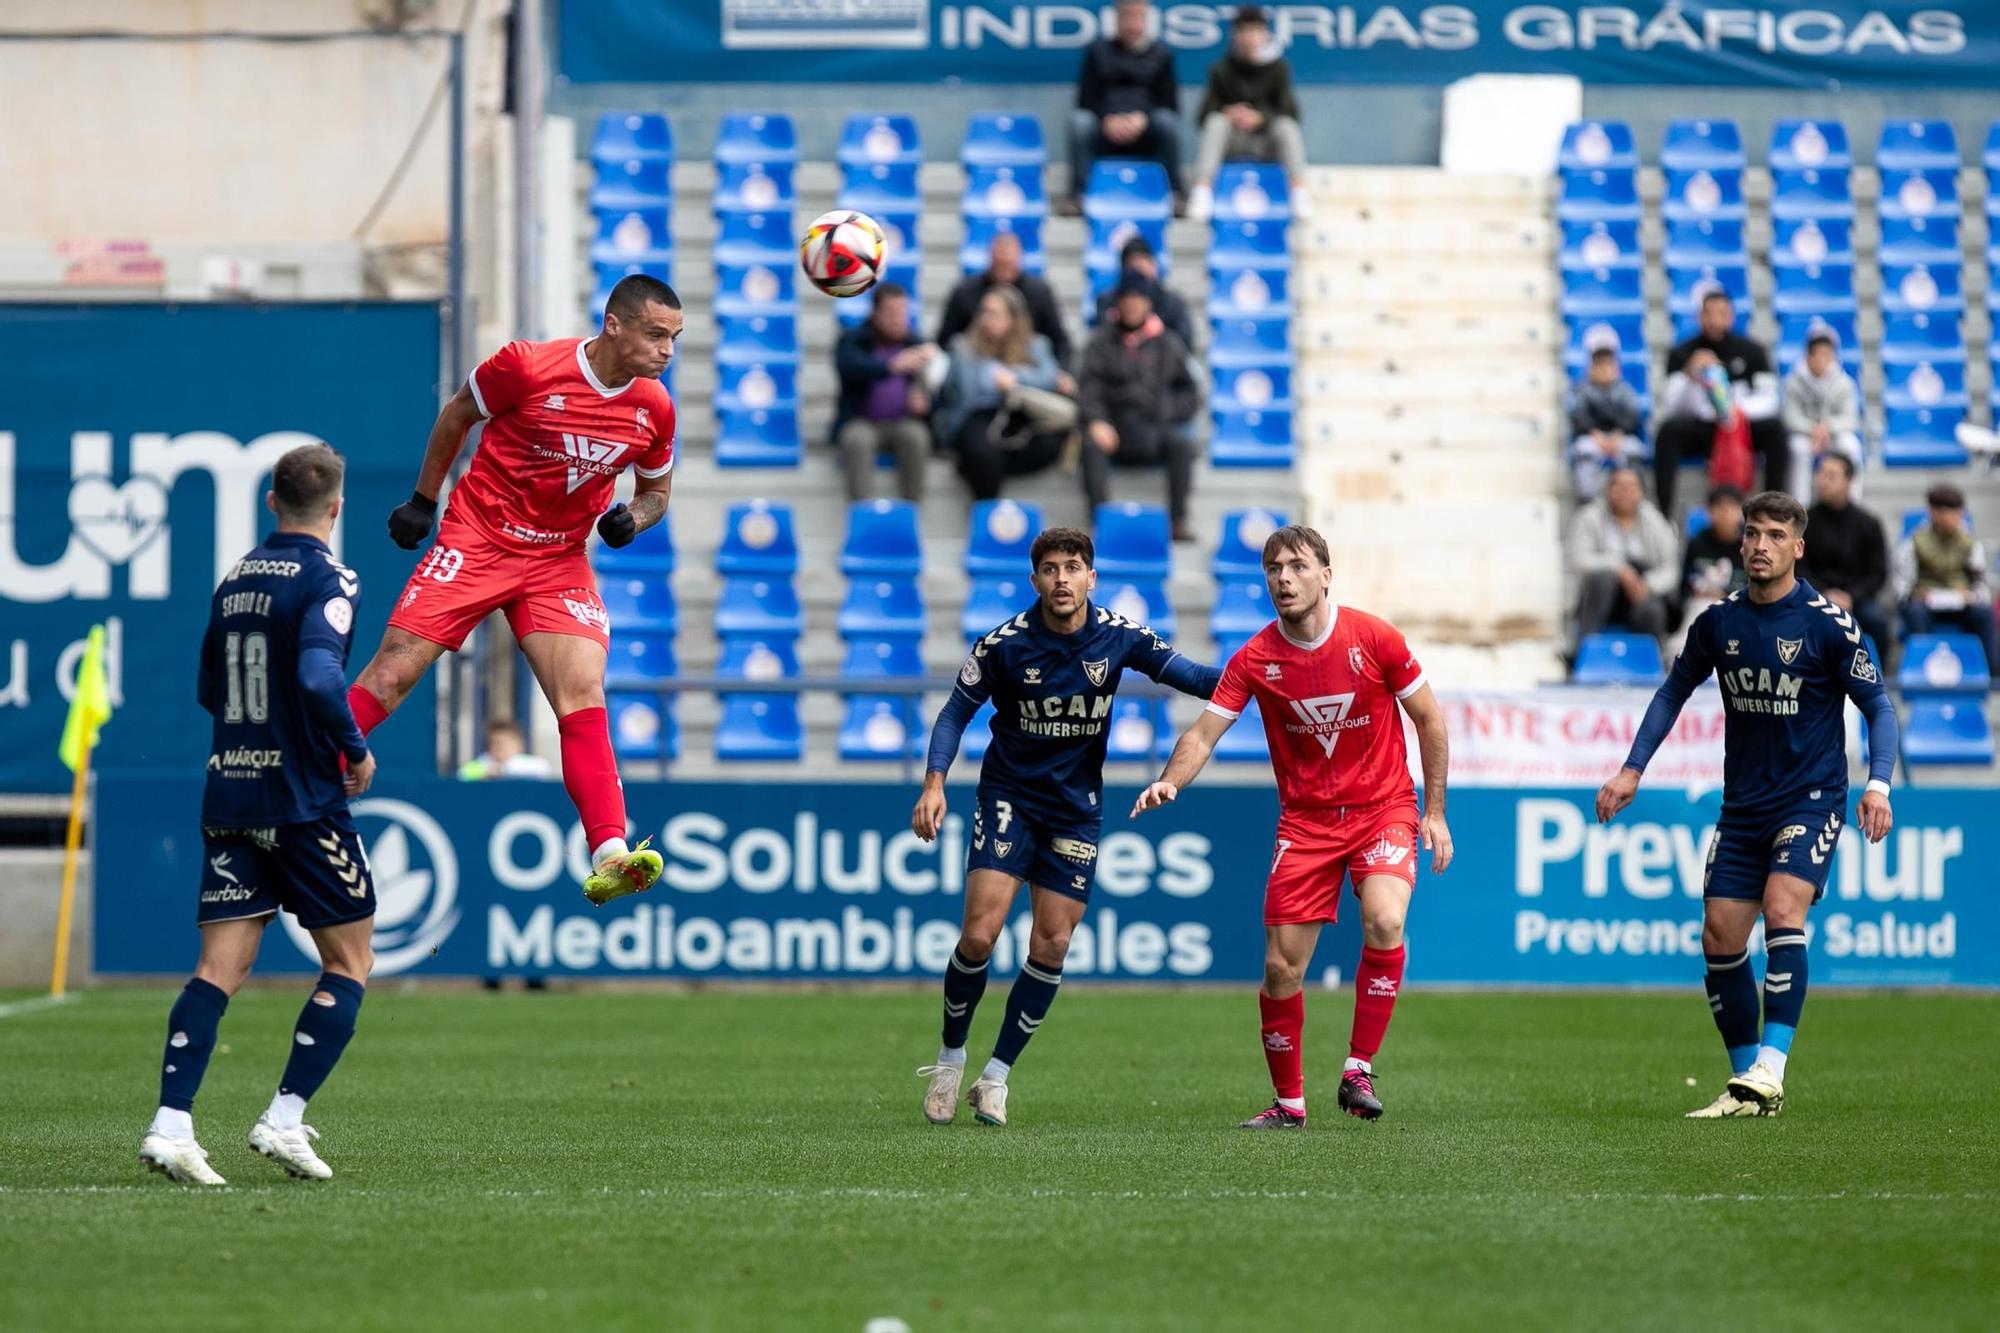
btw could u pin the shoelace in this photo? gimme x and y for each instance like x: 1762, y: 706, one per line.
x: 932, y: 1071
x: 1361, y: 1079
x: 1277, y: 1112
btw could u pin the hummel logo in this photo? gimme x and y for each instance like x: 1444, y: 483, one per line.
x: 1382, y: 986
x: 220, y: 865
x: 1734, y: 645
x: 1032, y: 676
x: 1272, y: 671
x: 1277, y: 1041
x: 554, y: 402
x: 593, y: 458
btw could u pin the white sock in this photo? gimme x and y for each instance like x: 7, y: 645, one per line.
x: 1773, y: 1058
x: 1296, y: 1105
x: 287, y: 1110
x: 995, y: 1071
x: 169, y: 1123
x: 609, y: 847
x: 951, y: 1055
x: 1353, y: 1063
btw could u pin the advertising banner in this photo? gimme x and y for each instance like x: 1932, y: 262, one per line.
x: 136, y: 445
x: 1040, y: 41
x: 1573, y: 737
x: 826, y: 881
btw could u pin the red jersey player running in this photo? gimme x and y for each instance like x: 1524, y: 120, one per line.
x: 1327, y: 680
x: 563, y: 419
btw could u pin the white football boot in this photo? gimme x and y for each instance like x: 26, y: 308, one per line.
x: 1762, y: 1086
x: 1725, y: 1107
x: 177, y: 1159
x: 941, y: 1097
x: 989, y: 1101
x: 290, y: 1148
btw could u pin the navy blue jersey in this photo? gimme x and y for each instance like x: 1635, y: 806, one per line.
x: 1786, y: 668
x: 1052, y: 697
x: 276, y: 746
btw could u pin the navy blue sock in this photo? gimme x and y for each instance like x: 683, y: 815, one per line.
x: 1027, y: 1004
x: 1784, y: 986
x: 322, y: 1034
x: 191, y: 1025
x: 964, y: 983
x: 1732, y: 997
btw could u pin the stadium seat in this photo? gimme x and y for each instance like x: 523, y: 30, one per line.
x: 1004, y: 192
x: 1906, y: 145
x: 1812, y: 289
x: 1594, y: 144
x: 1921, y: 194
x: 1910, y: 384
x: 1806, y: 145
x: 1914, y: 289
x: 754, y: 187
x: 636, y: 182
x: 757, y: 437
x: 1108, y: 235
x: 1947, y: 731
x: 975, y: 252
x: 1242, y: 608
x: 1618, y: 659
x: 1812, y: 193
x: 759, y: 726
x: 1124, y: 188
x: 760, y: 137
x: 652, y: 552
x: 885, y: 192
x: 757, y: 384
x: 1691, y: 145
x: 1698, y: 194
x: 758, y: 537
x: 882, y: 540
x: 1249, y: 293
x: 991, y: 600
x: 1133, y: 541
x: 633, y: 236
x: 621, y: 135
x: 757, y: 338
x: 882, y: 608
x: 1805, y: 242
x: 867, y: 139
x: 642, y: 725
x: 1000, y: 535
x: 1921, y: 337
x: 1795, y: 327
x: 759, y: 606
x: 756, y: 238
x: 638, y: 600
x: 1244, y: 742
x: 1919, y: 241
x: 749, y: 290
x: 1251, y: 439
x: 1922, y: 437
x: 1599, y: 243
x: 758, y: 657
x: 1624, y: 329
x: 1250, y: 342
x: 897, y: 658
x: 1252, y: 192
x: 640, y: 657
x: 1692, y: 241
x: 1587, y: 291
x: 1139, y: 730
x: 1239, y: 554
x: 1250, y: 388
x: 1250, y: 243
x: 880, y: 727
x: 1944, y: 664
x: 1141, y: 601
x: 1003, y: 138
x: 1587, y: 195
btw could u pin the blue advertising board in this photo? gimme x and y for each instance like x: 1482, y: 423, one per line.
x: 136, y: 444
x: 1841, y: 42
x: 826, y: 881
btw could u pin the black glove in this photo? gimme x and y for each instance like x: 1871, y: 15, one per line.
x: 410, y: 522
x: 618, y: 527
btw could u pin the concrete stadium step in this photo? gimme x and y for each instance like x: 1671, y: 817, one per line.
x: 1361, y: 231
x: 1428, y: 334
x: 1483, y: 386
x: 1427, y: 282
x: 1386, y: 187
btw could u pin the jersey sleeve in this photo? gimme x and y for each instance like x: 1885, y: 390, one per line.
x: 1690, y: 669
x: 1400, y: 669
x: 1859, y: 674
x: 327, y: 620
x: 1232, y: 692
x: 502, y: 382
x: 657, y: 458
x: 1153, y: 657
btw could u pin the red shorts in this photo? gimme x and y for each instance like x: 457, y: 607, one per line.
x: 466, y: 576
x: 1312, y: 858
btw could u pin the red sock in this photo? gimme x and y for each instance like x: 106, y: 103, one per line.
x: 1376, y: 982
x: 590, y: 774
x: 367, y: 709
x: 1284, y: 1036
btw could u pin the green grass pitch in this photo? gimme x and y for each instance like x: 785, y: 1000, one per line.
x: 738, y: 1160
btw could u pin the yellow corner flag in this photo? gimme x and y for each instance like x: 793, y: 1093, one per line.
x: 91, y: 706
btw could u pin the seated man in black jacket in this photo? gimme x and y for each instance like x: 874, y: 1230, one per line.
x: 1686, y: 417
x: 1136, y: 396
x: 1137, y: 257
x: 1127, y: 103
x: 1847, y: 556
x: 1003, y: 269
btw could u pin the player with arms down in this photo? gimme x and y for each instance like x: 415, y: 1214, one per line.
x: 563, y: 419
x: 1788, y: 659
x: 1327, y: 680
x: 1051, y: 672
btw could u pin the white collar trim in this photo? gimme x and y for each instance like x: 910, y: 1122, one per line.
x: 590, y: 376
x: 1332, y: 615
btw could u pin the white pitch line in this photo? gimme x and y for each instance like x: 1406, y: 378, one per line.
x: 35, y: 1005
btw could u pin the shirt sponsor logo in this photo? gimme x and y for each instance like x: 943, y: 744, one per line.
x: 241, y: 761
x: 1324, y: 717
x: 1788, y: 650
x: 591, y: 458
x: 219, y: 863
x: 235, y: 895
x: 1074, y: 849
x: 589, y: 614
x: 1385, y: 852
x: 1864, y: 667
x: 283, y: 569
x: 1790, y: 833
x: 1097, y: 671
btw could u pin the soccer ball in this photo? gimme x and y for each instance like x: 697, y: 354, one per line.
x: 843, y: 252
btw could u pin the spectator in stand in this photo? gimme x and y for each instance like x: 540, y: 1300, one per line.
x: 1603, y: 422
x: 506, y: 756
x: 1822, y: 411
x: 1626, y: 560
x: 883, y: 406
x: 1249, y: 113
x: 1003, y: 269
x: 1137, y: 257
x: 1137, y: 395
x: 1847, y: 558
x: 1940, y: 574
x: 983, y: 418
x: 1687, y: 415
x: 1713, y: 565
x: 1127, y: 104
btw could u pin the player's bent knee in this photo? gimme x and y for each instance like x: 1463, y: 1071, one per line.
x: 1052, y: 948
x: 1281, y: 979
x: 1382, y: 930
x: 976, y: 941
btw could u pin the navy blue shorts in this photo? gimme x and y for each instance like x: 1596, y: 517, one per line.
x: 317, y: 871
x: 1749, y: 849
x: 1053, y: 852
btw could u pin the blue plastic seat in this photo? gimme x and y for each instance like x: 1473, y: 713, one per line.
x: 754, y: 187
x: 1108, y: 235
x: 976, y: 251
x: 1250, y: 243
x: 757, y: 437
x: 628, y: 134
x: 1133, y: 541
x: 880, y: 728
x: 758, y: 537
x: 756, y: 136
x: 1919, y: 241
x: 1803, y: 144
x: 1249, y: 293
x: 636, y: 182
x: 1242, y: 608
x: 1589, y: 290
x: 1922, y: 289
x: 756, y: 238
x: 760, y: 727
x: 1003, y: 138
x: 1239, y: 553
x: 1812, y: 193
x: 883, y: 190
x: 867, y: 138
x: 1599, y: 243
x: 1947, y: 731
x: 1922, y: 437
x: 747, y: 339
x: 1694, y: 145
x: 638, y: 600
x: 1944, y: 664
x: 1794, y: 327
x: 1989, y: 153
x: 1804, y: 242
x: 1000, y: 536
x: 1705, y: 241
x: 1592, y: 144
x: 882, y: 608
x: 1004, y: 192
x: 1252, y: 192
x: 1703, y: 193
x: 1921, y: 194
x: 757, y: 384
x: 897, y: 658
x: 1139, y: 730
x: 1141, y: 601
x: 1906, y: 145
x: 643, y: 726
x: 633, y: 235
x: 1128, y: 188
x: 1626, y: 328
x: 640, y: 657
x: 1921, y: 337
x: 1910, y: 384
x: 1250, y: 342
x: 753, y: 604
x: 1812, y: 289
x: 749, y: 290
x: 651, y: 552
x: 1594, y: 194
x: 1250, y: 388
x: 1251, y: 439
x: 882, y: 540
x: 607, y: 276
x: 1685, y: 307
x: 758, y: 657
x: 1618, y: 659
x: 1244, y: 742
x: 991, y: 600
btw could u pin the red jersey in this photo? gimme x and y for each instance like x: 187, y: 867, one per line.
x: 1329, y: 711
x: 555, y: 441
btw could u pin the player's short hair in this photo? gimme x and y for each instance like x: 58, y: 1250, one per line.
x: 636, y: 291
x: 1296, y: 537
x: 1063, y: 541
x: 306, y: 481
x: 1779, y: 505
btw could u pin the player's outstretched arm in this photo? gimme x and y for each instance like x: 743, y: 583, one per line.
x: 1434, y: 745
x: 1191, y: 753
x: 1690, y: 669
x: 410, y: 522
x: 946, y: 732
x: 1862, y: 679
